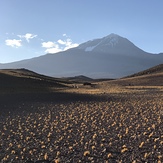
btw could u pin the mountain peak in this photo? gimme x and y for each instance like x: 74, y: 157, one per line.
x: 112, y: 35
x: 110, y: 40
x: 112, y: 43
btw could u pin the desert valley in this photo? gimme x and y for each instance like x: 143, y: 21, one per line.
x: 46, y: 119
x: 101, y: 102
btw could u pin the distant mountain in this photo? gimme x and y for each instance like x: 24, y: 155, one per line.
x: 113, y: 44
x: 109, y: 57
x: 79, y: 79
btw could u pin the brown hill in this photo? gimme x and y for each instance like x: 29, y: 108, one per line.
x: 155, y: 79
x: 153, y: 70
x: 79, y: 79
x: 23, y: 80
x: 149, y: 77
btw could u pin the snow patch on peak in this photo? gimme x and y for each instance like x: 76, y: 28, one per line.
x: 110, y: 40
x: 111, y: 37
x: 90, y: 48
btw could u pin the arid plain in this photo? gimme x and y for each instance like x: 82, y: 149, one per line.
x: 71, y: 120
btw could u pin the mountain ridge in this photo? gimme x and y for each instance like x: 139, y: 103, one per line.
x: 110, y: 43
x: 112, y: 57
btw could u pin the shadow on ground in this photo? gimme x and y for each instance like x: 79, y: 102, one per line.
x: 25, y: 100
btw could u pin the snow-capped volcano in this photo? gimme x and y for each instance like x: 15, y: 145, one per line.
x: 109, y: 41
x: 112, y: 43
x: 109, y: 57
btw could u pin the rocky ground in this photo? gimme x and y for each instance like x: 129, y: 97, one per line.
x: 120, y: 126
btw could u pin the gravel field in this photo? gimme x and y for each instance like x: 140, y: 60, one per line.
x: 110, y: 128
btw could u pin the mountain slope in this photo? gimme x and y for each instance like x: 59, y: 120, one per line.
x: 113, y: 44
x: 154, y: 79
x: 150, y: 77
x: 22, y: 80
x: 153, y: 70
x: 109, y: 57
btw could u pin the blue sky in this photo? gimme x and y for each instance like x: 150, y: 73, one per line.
x: 30, y: 28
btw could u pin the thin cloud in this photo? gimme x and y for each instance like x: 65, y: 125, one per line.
x: 51, y: 47
x: 68, y: 44
x: 53, y: 50
x: 71, y: 46
x: 60, y: 45
x: 64, y: 35
x: 28, y: 36
x: 61, y: 42
x: 13, y: 43
x: 48, y: 44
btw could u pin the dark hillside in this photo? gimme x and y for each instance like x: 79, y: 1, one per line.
x: 22, y: 80
x: 153, y: 70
